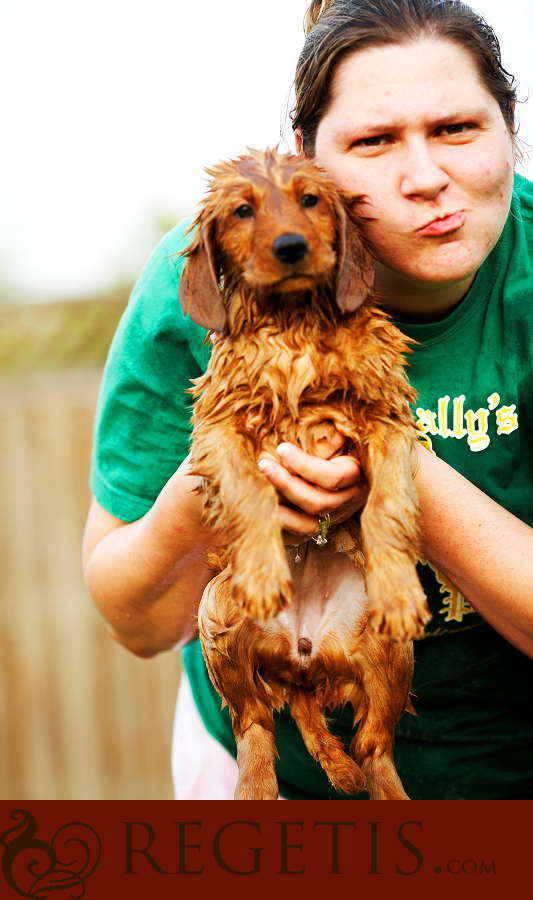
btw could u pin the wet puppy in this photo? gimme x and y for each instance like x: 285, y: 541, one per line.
x: 278, y: 269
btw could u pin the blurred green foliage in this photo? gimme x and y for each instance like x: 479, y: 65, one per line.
x: 64, y: 335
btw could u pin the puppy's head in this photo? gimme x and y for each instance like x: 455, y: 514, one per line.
x: 275, y: 224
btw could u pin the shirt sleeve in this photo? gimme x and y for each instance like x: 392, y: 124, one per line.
x: 143, y: 418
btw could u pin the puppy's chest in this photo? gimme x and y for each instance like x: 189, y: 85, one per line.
x: 275, y: 387
x: 276, y: 371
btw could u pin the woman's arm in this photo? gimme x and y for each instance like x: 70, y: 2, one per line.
x: 146, y: 577
x: 483, y: 549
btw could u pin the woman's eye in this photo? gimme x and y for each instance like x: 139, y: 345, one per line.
x: 377, y: 140
x: 243, y: 212
x: 372, y: 141
x: 457, y: 128
x: 309, y: 200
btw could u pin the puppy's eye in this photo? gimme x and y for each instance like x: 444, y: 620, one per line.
x: 309, y: 200
x: 243, y: 212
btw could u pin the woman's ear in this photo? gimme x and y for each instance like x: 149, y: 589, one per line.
x: 299, y: 141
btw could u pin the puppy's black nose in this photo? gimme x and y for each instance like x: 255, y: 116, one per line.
x: 290, y: 248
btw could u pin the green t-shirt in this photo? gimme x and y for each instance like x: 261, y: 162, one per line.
x: 473, y: 735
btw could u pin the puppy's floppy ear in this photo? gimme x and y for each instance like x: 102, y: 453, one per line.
x: 355, y: 266
x: 199, y: 290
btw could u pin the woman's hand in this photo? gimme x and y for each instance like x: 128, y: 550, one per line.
x: 310, y: 487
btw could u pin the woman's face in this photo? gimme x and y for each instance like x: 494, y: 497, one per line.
x: 413, y: 131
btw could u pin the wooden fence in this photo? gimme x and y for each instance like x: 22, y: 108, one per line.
x: 80, y: 717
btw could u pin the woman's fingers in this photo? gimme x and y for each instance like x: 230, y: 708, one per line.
x: 330, y: 474
x: 314, y: 486
x: 297, y: 526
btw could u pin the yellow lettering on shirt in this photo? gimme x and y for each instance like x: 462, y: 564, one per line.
x: 459, y: 430
x: 506, y: 419
x: 427, y: 421
x: 443, y: 416
x: 452, y: 420
x: 477, y: 424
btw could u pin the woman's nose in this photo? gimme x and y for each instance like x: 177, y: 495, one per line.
x: 422, y: 175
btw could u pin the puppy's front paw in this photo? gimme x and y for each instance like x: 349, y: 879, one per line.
x: 401, y: 615
x: 261, y: 583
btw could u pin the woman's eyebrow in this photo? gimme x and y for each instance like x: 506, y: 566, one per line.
x: 463, y: 115
x: 359, y: 130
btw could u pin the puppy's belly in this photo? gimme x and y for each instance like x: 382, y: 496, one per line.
x: 330, y: 600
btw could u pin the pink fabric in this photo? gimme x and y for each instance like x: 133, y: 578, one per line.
x: 202, y: 769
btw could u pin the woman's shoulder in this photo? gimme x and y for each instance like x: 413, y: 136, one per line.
x: 160, y: 275
x: 174, y: 243
x: 512, y: 258
x: 143, y: 402
x: 154, y: 315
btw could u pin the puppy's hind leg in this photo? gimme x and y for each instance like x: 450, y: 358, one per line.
x: 386, y: 687
x: 372, y: 748
x: 256, y: 753
x: 229, y: 642
x: 344, y: 774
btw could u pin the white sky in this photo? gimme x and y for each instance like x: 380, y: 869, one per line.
x: 111, y: 108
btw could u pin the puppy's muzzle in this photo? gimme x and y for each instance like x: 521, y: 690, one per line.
x: 290, y: 248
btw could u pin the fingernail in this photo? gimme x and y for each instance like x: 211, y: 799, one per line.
x: 285, y: 450
x: 264, y: 465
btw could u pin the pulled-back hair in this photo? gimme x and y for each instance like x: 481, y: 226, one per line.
x: 337, y: 28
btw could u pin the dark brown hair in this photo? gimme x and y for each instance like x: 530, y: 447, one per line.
x: 337, y: 28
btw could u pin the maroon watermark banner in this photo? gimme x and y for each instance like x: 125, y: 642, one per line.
x: 155, y: 849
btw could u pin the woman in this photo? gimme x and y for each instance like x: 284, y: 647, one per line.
x: 404, y: 102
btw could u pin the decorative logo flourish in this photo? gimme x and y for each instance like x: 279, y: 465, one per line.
x: 32, y: 867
